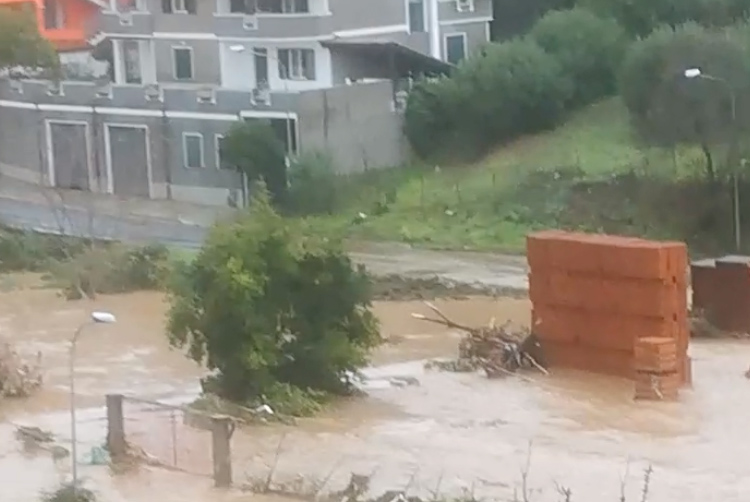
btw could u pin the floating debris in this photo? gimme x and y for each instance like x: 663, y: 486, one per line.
x: 498, y: 350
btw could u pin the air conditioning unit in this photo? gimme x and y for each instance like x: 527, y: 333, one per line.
x: 152, y: 92
x: 126, y: 18
x: 250, y: 22
x: 54, y: 89
x: 465, y: 5
x: 261, y: 96
x: 206, y: 95
x: 104, y: 90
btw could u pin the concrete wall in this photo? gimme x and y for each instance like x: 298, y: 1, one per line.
x: 356, y: 125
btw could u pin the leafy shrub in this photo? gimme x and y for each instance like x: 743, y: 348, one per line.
x: 254, y: 149
x: 513, y: 88
x: 113, y: 269
x: 32, y: 251
x: 264, y: 304
x: 312, y: 185
x: 70, y: 493
x: 588, y: 47
x: 513, y: 18
x: 641, y: 17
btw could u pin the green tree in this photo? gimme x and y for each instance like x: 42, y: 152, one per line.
x: 641, y: 17
x: 516, y: 17
x: 589, y: 48
x: 264, y: 305
x: 512, y: 88
x: 667, y: 109
x: 21, y: 45
x: 253, y: 148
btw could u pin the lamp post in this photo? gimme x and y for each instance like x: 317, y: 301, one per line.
x: 693, y: 73
x: 96, y: 318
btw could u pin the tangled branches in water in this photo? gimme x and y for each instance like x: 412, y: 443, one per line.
x: 497, y: 350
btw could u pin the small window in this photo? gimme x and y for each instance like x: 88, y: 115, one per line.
x: 455, y: 48
x: 284, y: 6
x: 179, y: 6
x: 220, y: 164
x: 242, y: 6
x: 192, y: 150
x: 183, y: 63
x: 297, y: 64
x: 131, y: 52
x: 416, y: 16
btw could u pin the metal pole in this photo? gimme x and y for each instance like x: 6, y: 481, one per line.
x: 733, y: 149
x: 73, y: 433
x: 737, y: 226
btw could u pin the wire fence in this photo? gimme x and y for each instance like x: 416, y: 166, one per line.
x: 169, y: 436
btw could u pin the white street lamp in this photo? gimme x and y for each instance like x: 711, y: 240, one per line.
x: 96, y: 318
x: 692, y: 73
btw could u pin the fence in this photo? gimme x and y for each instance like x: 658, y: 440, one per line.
x: 172, y: 437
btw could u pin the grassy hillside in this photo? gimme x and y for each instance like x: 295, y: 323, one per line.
x: 494, y: 203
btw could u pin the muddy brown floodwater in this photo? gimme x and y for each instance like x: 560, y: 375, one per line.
x: 450, y: 432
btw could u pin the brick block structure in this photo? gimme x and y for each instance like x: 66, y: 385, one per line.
x: 721, y: 290
x: 595, y: 297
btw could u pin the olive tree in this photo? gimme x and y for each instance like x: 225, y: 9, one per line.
x: 667, y: 108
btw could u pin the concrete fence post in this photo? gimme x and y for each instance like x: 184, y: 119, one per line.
x: 221, y: 435
x: 115, y: 426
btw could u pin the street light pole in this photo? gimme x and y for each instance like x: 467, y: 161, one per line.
x: 692, y: 73
x: 96, y: 318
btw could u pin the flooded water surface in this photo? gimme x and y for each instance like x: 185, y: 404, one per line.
x: 439, y: 431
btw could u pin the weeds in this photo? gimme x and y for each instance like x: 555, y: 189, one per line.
x: 70, y: 493
x: 358, y: 488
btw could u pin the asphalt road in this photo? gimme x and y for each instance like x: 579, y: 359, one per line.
x: 80, y: 222
x: 499, y: 271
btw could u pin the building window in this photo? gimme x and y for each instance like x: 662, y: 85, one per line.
x: 297, y: 64
x: 183, y: 63
x: 179, y: 6
x: 129, y: 5
x: 220, y: 164
x: 131, y: 55
x: 192, y: 150
x: 455, y: 48
x: 53, y: 15
x: 243, y: 6
x: 284, y: 6
x: 416, y: 16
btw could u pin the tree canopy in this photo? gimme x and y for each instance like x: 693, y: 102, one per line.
x: 21, y: 45
x: 264, y: 305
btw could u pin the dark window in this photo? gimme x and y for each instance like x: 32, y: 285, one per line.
x: 261, y: 67
x: 416, y: 16
x: 297, y: 64
x: 455, y: 48
x: 179, y: 6
x: 183, y: 63
x: 242, y: 6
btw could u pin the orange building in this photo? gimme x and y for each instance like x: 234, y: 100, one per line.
x: 65, y: 23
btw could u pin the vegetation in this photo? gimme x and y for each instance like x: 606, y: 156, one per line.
x: 253, y: 148
x: 21, y: 45
x: 588, y: 48
x: 514, y: 88
x: 83, y: 267
x: 276, y: 314
x: 70, y: 493
x: 668, y: 109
